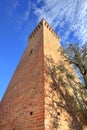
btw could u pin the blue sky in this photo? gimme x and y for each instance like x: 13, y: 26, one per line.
x: 19, y: 17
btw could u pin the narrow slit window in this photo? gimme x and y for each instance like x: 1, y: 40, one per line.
x: 31, y: 52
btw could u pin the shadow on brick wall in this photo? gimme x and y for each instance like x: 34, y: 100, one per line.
x: 67, y: 104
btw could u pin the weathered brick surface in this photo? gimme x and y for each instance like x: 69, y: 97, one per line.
x: 61, y: 109
x: 28, y: 103
x: 22, y: 107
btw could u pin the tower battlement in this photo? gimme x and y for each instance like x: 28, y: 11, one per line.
x: 43, y: 22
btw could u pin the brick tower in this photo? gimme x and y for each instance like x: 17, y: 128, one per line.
x: 39, y: 95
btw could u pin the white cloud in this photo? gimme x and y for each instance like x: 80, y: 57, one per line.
x: 26, y: 14
x: 19, y: 13
x: 59, y: 13
x: 13, y: 5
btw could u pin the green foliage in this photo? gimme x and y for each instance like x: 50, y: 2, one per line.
x: 78, y: 57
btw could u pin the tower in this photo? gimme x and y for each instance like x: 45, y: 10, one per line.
x: 38, y: 96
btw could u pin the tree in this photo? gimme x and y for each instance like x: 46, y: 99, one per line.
x: 78, y: 57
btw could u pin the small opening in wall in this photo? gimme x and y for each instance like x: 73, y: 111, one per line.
x: 45, y: 23
x: 58, y: 113
x: 47, y: 26
x: 41, y: 23
x: 31, y: 113
x: 31, y: 52
x: 37, y: 29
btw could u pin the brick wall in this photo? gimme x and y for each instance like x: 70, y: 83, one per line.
x: 39, y: 96
x: 22, y: 107
x: 63, y: 101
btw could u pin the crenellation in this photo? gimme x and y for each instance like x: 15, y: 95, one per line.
x: 43, y: 22
x: 51, y: 29
x: 35, y: 31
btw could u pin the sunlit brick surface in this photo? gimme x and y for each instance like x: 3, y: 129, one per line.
x: 28, y: 101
